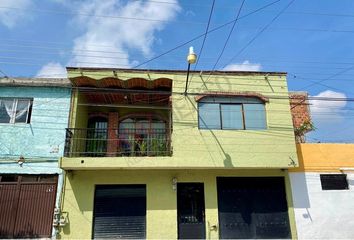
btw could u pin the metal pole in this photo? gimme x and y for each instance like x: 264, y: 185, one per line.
x: 185, y: 90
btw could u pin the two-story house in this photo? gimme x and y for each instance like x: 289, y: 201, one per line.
x: 144, y: 159
x: 33, y: 117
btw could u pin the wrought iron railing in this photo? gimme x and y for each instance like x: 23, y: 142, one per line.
x: 85, y: 142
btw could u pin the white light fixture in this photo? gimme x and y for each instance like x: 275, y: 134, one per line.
x: 191, y: 59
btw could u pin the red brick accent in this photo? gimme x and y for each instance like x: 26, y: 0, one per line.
x: 112, y: 144
x: 299, y: 106
x: 232, y: 94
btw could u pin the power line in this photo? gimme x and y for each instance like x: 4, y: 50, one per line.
x: 205, y: 35
x: 48, y: 11
x: 199, y: 36
x: 228, y: 38
x: 3, y: 73
x: 328, y: 78
x: 260, y: 32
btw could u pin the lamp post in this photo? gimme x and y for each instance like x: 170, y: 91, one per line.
x: 191, y: 59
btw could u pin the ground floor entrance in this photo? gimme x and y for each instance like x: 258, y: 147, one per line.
x: 190, y: 211
x: 252, y: 208
x: 178, y: 204
x: 27, y: 205
x: 120, y: 211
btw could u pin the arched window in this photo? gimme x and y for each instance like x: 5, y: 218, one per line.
x: 143, y: 136
x: 233, y: 113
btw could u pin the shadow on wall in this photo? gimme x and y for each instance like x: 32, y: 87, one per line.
x: 299, y: 184
x: 227, y: 161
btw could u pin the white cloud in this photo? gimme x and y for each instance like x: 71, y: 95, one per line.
x: 244, y: 66
x: 321, y: 106
x: 107, y: 42
x: 13, y: 11
x: 52, y: 70
x: 329, y: 118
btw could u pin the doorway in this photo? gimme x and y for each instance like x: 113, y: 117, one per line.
x: 191, y: 211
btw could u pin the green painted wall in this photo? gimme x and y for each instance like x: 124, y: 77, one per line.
x: 161, y: 216
x: 194, y: 148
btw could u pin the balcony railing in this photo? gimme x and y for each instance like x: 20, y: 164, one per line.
x: 85, y: 142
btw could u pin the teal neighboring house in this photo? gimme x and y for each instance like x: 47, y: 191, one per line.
x: 34, y: 113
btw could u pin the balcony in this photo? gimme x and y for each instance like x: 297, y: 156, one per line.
x: 127, y: 142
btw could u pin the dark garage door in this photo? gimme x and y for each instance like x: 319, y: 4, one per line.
x: 252, y: 207
x: 27, y: 205
x: 120, y: 211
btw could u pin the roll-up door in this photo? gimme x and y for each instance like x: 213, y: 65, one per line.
x: 252, y: 207
x: 120, y: 211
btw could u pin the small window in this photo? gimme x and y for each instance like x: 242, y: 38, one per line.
x: 15, y: 110
x: 334, y: 181
x: 236, y: 113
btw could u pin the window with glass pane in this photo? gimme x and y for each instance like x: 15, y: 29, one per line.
x: 14, y: 110
x: 254, y: 116
x: 209, y: 116
x: 231, y: 116
x: 237, y: 113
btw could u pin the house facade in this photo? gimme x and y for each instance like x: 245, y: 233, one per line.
x: 33, y: 117
x: 144, y: 159
x: 322, y: 189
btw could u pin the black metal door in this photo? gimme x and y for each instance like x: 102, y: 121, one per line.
x: 252, y: 207
x: 120, y: 212
x: 190, y: 211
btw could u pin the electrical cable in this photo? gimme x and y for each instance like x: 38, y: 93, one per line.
x: 201, y: 35
x: 259, y: 33
x: 227, y: 39
x: 205, y: 36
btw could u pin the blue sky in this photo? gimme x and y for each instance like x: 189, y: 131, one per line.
x: 311, y: 40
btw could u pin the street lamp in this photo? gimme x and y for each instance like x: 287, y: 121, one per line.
x: 191, y: 58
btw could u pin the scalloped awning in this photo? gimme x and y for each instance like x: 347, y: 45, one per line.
x: 100, y: 86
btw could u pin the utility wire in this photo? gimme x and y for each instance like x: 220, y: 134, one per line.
x: 259, y: 33
x: 3, y: 73
x: 328, y: 78
x: 205, y: 36
x: 228, y: 38
x: 73, y: 13
x: 199, y: 36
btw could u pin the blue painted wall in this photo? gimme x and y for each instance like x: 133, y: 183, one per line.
x: 44, y: 137
x: 42, y: 141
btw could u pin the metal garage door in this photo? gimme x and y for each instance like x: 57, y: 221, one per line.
x: 120, y: 211
x: 252, y: 207
x: 26, y: 205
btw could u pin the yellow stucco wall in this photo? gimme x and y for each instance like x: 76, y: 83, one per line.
x: 161, y: 218
x: 273, y: 147
x: 324, y: 157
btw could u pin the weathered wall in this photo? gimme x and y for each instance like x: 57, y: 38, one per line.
x: 270, y: 148
x: 44, y: 137
x: 161, y: 216
x: 42, y: 141
x: 300, y: 109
